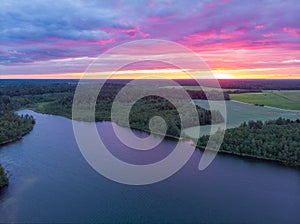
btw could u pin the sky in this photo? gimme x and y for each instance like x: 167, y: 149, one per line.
x: 235, y: 38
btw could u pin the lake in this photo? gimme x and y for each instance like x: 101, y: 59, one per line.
x: 51, y: 182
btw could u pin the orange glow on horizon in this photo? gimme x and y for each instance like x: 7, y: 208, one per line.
x: 220, y: 73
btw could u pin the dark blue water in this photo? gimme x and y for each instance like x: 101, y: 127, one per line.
x: 51, y: 182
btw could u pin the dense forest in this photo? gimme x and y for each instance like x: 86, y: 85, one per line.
x: 35, y: 88
x: 58, y: 99
x: 32, y: 92
x: 13, y: 126
x: 277, y: 140
x: 251, y: 84
x: 148, y: 107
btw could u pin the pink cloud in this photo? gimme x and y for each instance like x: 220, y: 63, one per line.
x: 154, y: 18
x: 260, y: 26
x: 103, y: 42
x: 213, y: 37
x: 268, y: 35
x: 292, y: 31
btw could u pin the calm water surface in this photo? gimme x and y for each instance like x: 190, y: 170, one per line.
x: 51, y: 182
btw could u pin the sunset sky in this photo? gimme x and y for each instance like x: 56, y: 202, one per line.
x: 237, y: 39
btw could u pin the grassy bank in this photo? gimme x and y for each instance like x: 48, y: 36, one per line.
x: 284, y: 99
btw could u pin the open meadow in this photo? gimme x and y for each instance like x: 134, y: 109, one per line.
x: 284, y: 99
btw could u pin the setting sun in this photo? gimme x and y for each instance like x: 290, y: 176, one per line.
x: 218, y: 75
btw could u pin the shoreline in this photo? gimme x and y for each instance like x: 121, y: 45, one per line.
x: 5, y: 174
x: 10, y: 141
x: 15, y: 139
x: 248, y: 156
x: 104, y: 120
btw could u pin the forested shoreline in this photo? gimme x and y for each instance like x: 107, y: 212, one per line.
x: 275, y: 140
x: 12, y: 128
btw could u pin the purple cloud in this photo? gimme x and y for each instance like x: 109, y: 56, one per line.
x: 37, y: 31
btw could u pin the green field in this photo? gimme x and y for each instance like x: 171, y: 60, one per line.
x: 285, y: 99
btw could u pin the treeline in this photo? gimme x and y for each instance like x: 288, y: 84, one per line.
x: 277, y: 140
x: 249, y: 84
x: 261, y: 84
x: 150, y: 106
x: 16, y: 96
x: 237, y: 91
x: 35, y: 88
x: 211, y: 94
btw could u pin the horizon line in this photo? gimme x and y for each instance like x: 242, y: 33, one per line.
x: 66, y: 78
